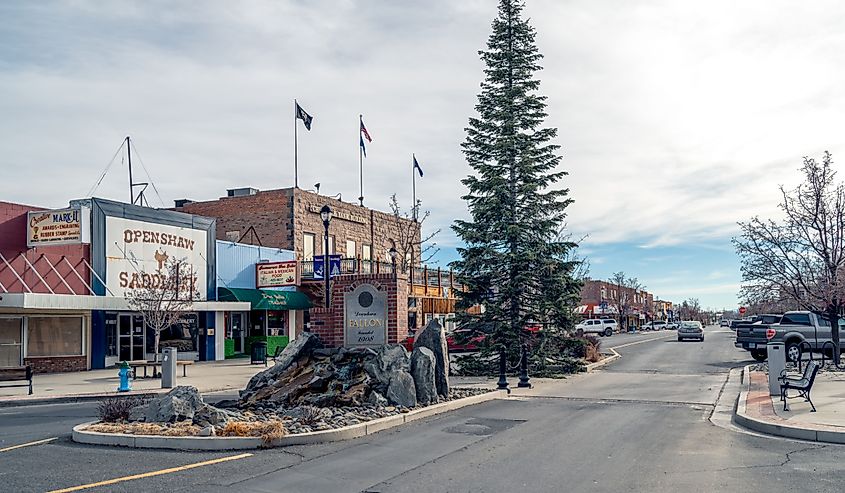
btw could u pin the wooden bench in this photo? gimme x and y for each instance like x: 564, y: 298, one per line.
x: 155, y: 365
x: 15, y: 374
x: 803, y: 385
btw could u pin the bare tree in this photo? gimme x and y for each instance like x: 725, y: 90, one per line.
x: 799, y: 259
x: 622, y: 296
x: 690, y: 309
x: 413, y: 248
x: 162, y: 297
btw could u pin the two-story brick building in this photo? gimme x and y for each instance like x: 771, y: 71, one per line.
x: 606, y: 299
x: 289, y: 218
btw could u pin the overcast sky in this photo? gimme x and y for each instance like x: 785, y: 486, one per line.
x: 676, y: 119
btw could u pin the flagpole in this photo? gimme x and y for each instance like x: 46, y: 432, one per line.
x: 295, y: 150
x: 414, y: 186
x: 361, y: 158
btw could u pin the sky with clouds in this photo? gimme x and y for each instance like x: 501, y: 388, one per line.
x: 676, y: 119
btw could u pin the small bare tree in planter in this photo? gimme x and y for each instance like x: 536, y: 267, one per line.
x: 163, y: 297
x: 800, y: 259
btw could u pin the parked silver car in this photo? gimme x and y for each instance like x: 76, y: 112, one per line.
x: 691, y: 330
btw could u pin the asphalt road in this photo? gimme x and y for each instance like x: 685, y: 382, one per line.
x: 640, y: 424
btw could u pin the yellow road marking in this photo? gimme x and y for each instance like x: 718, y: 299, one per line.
x: 643, y: 341
x: 29, y: 444
x: 152, y: 473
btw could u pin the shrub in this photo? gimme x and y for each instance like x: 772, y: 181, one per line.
x: 266, y: 430
x: 310, y: 415
x: 116, y: 409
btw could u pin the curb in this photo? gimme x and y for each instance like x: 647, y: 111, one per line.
x: 742, y: 418
x: 71, y: 398
x: 243, y: 443
x: 606, y: 361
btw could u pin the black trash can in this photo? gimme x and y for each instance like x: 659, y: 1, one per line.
x: 258, y: 355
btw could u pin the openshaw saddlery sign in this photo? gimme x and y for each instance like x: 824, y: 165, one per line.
x: 276, y: 274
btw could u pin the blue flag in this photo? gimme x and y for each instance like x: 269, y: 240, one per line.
x: 417, y: 166
x: 363, y: 147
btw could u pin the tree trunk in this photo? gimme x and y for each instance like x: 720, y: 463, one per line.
x: 157, y: 339
x: 833, y: 316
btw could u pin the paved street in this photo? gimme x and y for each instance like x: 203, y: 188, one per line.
x: 640, y: 424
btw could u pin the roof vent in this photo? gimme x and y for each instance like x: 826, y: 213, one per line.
x: 182, y: 202
x: 241, y: 192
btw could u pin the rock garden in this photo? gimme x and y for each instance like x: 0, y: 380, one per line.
x: 308, y: 389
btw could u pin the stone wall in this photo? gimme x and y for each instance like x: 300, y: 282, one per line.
x: 58, y: 364
x: 328, y: 324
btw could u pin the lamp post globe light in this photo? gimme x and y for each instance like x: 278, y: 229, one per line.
x: 326, y: 216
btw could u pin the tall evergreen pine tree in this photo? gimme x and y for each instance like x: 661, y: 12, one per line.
x: 512, y: 241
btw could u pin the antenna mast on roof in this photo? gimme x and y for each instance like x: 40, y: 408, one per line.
x: 140, y: 199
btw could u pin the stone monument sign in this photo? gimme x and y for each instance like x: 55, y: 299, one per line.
x: 365, y: 316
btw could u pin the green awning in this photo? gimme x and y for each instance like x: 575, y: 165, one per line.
x: 266, y: 299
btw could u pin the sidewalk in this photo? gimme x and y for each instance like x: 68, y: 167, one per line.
x: 208, y: 376
x: 759, y: 411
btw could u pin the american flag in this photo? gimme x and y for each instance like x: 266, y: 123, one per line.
x: 365, y: 133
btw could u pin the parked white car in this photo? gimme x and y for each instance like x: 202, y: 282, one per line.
x: 603, y: 327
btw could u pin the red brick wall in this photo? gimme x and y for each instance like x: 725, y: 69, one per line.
x: 59, y: 364
x: 267, y: 212
x: 328, y: 324
x: 13, y: 244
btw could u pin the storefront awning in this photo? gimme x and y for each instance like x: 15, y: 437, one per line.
x: 266, y: 299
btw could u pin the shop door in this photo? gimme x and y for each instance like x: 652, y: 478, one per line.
x: 130, y: 333
x: 11, y: 335
x: 237, y: 321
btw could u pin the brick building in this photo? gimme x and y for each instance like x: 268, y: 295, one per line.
x: 289, y: 218
x: 603, y: 298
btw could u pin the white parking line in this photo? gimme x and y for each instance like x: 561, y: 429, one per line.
x: 29, y: 444
x: 643, y: 341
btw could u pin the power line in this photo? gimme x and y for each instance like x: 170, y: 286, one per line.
x: 103, y: 175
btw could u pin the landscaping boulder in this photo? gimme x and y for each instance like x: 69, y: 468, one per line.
x: 422, y: 370
x: 401, y: 390
x: 179, y: 404
x: 388, y: 360
x: 300, y: 348
x: 433, y: 337
x: 208, y: 415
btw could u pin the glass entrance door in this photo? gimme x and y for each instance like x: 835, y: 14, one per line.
x: 130, y: 336
x: 11, y: 336
x: 237, y: 321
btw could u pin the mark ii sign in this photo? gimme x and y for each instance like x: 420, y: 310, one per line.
x: 365, y: 316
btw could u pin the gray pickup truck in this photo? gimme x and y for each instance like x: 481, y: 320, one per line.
x: 793, y: 329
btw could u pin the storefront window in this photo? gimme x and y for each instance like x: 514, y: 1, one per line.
x: 54, y: 336
x: 10, y: 341
x: 183, y: 335
x: 277, y: 323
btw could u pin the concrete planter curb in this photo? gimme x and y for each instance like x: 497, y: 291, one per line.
x: 613, y: 356
x: 742, y: 418
x: 242, y: 443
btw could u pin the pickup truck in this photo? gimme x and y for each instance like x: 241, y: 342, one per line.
x: 792, y: 329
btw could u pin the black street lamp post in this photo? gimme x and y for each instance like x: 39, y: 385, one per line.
x: 326, y: 216
x: 523, y: 366
x: 392, y: 252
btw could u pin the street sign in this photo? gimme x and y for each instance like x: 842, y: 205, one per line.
x: 742, y: 310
